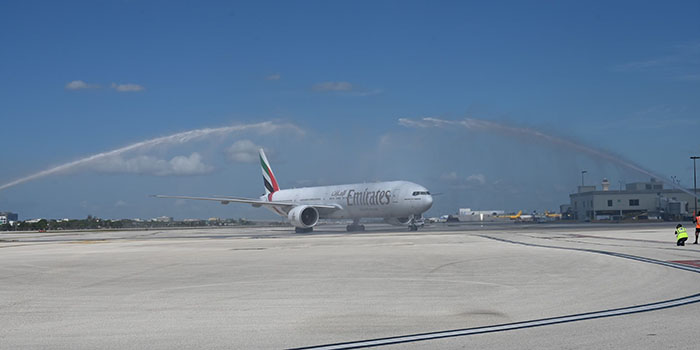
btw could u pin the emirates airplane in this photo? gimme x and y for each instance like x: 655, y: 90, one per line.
x: 400, y: 203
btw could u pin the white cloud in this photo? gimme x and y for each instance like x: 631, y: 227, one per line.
x: 127, y: 87
x: 243, y: 151
x: 411, y: 123
x: 79, y: 85
x: 427, y: 122
x: 480, y: 178
x: 120, y: 203
x: 333, y: 86
x: 275, y: 76
x: 191, y: 165
x: 147, y: 165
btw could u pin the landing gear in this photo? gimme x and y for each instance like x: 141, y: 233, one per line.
x: 416, y: 222
x: 355, y: 226
x: 303, y: 230
x: 351, y: 228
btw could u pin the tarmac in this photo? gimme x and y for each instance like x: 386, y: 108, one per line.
x: 501, y: 286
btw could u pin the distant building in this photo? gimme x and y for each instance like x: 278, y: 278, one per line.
x: 467, y: 214
x: 163, y: 219
x: 9, y: 216
x: 639, y: 200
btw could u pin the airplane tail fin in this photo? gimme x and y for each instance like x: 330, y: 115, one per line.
x: 269, y: 180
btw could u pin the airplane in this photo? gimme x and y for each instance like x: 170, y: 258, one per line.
x: 399, y: 203
x: 512, y: 217
x: 526, y: 217
x: 552, y: 215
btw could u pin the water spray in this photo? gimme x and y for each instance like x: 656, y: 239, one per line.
x: 179, y: 138
x: 480, y: 124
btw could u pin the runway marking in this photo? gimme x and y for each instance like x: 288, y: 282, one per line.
x: 508, y: 326
x: 533, y: 323
x: 695, y: 263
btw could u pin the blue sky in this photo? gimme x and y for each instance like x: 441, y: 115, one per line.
x: 80, y: 78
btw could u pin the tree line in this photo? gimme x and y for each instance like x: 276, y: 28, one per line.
x: 93, y: 223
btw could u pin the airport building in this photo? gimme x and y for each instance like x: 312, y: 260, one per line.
x: 7, y: 217
x: 466, y: 214
x: 167, y: 219
x: 639, y: 200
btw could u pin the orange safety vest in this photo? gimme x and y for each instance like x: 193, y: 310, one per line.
x: 697, y: 222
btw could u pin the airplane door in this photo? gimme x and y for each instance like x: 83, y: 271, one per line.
x: 395, y: 196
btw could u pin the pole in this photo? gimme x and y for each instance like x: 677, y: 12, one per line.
x: 695, y: 185
x: 582, y: 172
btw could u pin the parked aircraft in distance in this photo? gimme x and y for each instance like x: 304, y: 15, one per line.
x: 552, y: 215
x: 397, y: 202
x: 512, y: 217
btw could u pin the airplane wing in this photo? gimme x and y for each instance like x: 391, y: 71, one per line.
x: 251, y: 201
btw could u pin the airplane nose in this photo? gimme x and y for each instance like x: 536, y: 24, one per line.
x: 428, y: 202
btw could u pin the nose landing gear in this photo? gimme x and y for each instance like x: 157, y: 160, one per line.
x: 355, y: 226
x: 416, y: 222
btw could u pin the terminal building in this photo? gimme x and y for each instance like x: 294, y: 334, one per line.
x: 639, y: 200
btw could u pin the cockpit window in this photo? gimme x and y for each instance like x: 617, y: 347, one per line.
x: 418, y: 193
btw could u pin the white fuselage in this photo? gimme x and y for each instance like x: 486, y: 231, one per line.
x: 392, y: 199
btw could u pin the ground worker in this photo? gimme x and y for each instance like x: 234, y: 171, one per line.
x: 681, y: 235
x: 697, y: 226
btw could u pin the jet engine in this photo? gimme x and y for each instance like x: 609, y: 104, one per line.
x: 398, y: 221
x: 303, y: 216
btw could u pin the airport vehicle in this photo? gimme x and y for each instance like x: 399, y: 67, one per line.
x: 400, y: 203
x: 448, y: 218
